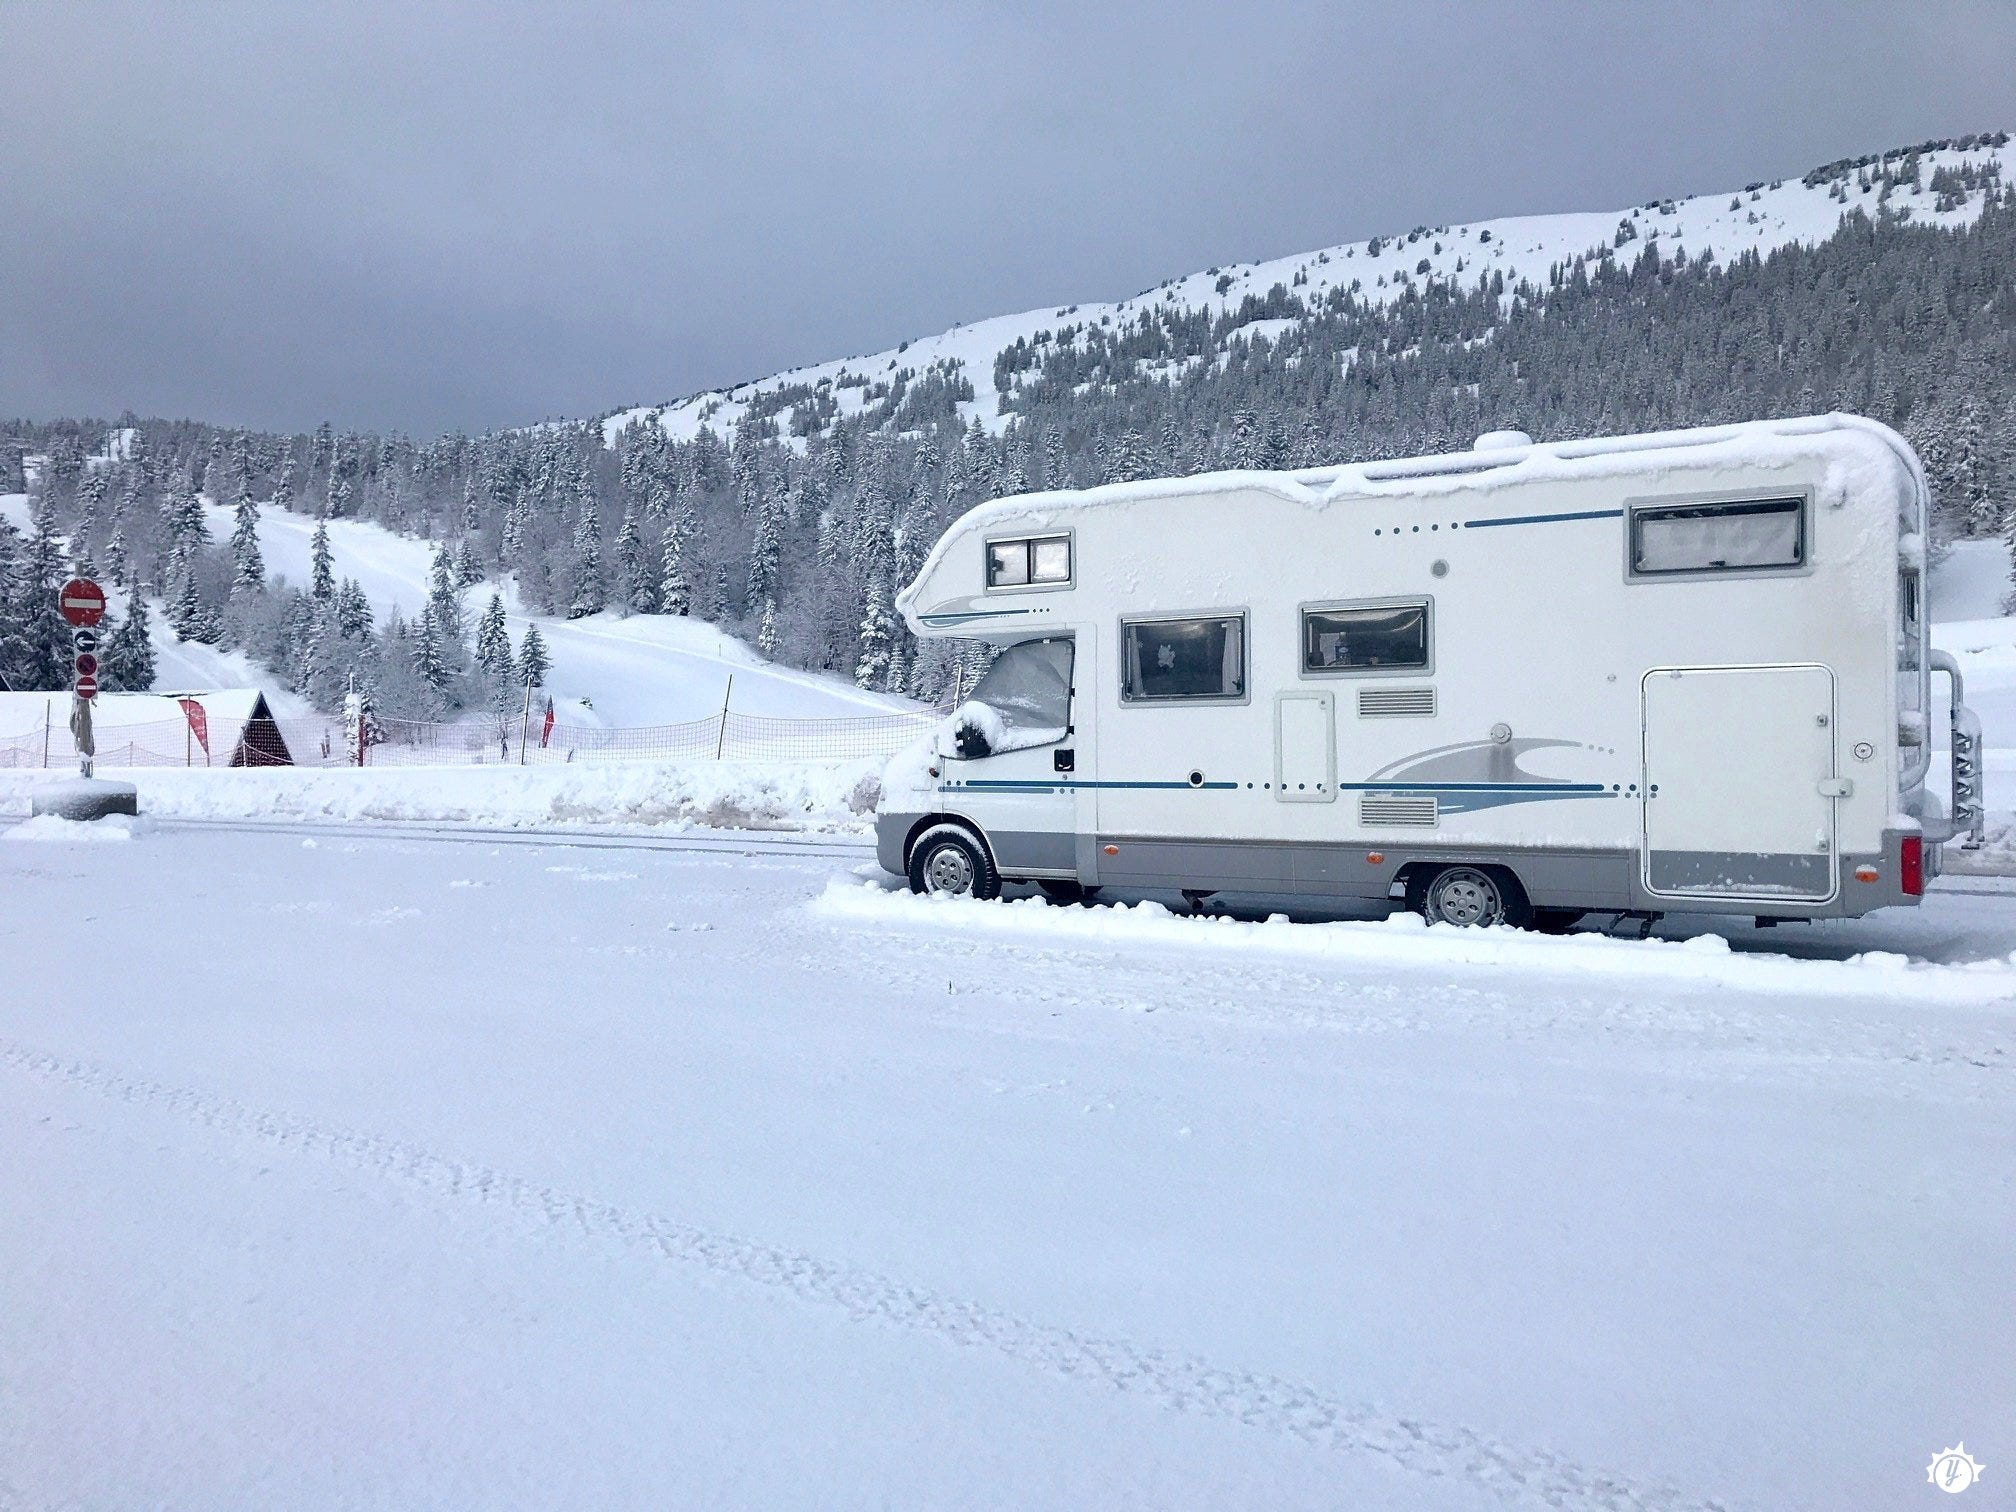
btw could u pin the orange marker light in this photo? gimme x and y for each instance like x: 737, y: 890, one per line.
x: 1373, y: 858
x: 1866, y: 874
x: 1112, y: 850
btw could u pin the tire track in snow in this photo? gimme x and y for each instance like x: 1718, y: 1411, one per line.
x: 1184, y: 1383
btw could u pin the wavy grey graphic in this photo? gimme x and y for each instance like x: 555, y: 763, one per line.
x: 1481, y: 774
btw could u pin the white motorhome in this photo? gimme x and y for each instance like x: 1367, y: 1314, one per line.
x: 1676, y: 672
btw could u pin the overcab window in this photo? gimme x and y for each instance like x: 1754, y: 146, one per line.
x: 1032, y: 561
x: 1164, y: 661
x: 1751, y: 535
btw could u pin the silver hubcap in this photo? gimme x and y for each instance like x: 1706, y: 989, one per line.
x: 949, y: 871
x: 1466, y: 897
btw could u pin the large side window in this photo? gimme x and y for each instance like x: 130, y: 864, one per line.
x: 1171, y: 660
x: 1750, y: 535
x: 1366, y: 638
x: 1029, y: 562
x: 1022, y: 700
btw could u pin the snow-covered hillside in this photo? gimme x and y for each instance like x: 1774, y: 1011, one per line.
x: 1722, y: 226
x: 608, y: 669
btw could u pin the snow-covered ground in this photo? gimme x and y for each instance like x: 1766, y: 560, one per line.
x: 381, y: 1172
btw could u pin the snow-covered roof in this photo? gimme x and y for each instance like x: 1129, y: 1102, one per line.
x: 1497, y: 464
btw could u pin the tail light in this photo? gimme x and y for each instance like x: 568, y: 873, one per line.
x: 1911, y: 866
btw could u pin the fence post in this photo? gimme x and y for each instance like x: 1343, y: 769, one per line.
x: 47, y: 704
x: 525, y: 724
x: 721, y: 737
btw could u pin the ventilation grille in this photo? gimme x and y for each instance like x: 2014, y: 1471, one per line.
x: 1385, y: 809
x: 1396, y: 703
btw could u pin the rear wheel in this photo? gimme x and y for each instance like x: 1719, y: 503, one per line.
x: 953, y: 864
x: 1471, y: 897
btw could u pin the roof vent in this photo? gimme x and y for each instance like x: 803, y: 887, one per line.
x: 1504, y: 440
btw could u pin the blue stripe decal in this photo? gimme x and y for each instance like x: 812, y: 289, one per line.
x: 1039, y: 785
x: 1546, y: 519
x: 1471, y: 787
x: 976, y: 614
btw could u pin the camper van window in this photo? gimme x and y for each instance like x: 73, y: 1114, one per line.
x: 1751, y: 536
x: 1037, y: 560
x: 1374, y: 638
x: 1007, y: 564
x: 1023, y: 700
x: 1166, y: 660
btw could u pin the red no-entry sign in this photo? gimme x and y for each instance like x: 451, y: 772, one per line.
x: 87, y: 686
x: 81, y: 601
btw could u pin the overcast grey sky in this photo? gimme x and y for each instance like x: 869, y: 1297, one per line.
x: 422, y: 216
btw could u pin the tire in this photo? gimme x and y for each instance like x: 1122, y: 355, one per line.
x: 1063, y: 892
x: 953, y: 863
x: 1471, y: 897
x: 1554, y: 921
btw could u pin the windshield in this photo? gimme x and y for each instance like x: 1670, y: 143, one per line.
x: 1023, y: 700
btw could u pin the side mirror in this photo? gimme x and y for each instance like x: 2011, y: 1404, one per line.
x: 971, y: 742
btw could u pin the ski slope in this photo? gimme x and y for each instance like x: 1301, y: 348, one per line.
x: 608, y: 669
x: 736, y: 1184
x: 1723, y: 225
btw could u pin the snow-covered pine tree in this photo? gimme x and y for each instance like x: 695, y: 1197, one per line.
x: 46, y: 635
x: 588, y: 595
x: 353, y: 610
x: 766, y: 630
x: 877, y: 657
x: 632, y: 566
x: 16, y: 656
x: 129, y: 652
x: 115, y: 555
x: 764, y: 553
x: 321, y: 564
x: 248, y: 565
x: 468, y: 565
x: 493, y: 640
x: 429, y: 653
x: 672, y: 591
x: 444, y: 597
x: 534, y: 664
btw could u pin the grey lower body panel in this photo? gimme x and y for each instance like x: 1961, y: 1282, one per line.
x: 1552, y: 878
x: 892, y: 832
x: 1590, y: 880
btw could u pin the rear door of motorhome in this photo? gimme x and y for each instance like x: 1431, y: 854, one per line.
x: 1740, y: 783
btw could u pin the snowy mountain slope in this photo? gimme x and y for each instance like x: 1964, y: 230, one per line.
x: 607, y: 669
x: 1757, y: 219
x: 617, y: 671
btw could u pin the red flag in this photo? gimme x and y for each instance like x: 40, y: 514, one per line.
x: 199, y: 723
x: 546, y: 727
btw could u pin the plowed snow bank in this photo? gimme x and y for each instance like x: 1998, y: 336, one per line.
x: 1404, y: 940
x: 817, y: 796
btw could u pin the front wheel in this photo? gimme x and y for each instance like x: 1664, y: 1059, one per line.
x: 952, y: 864
x: 1470, y: 898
